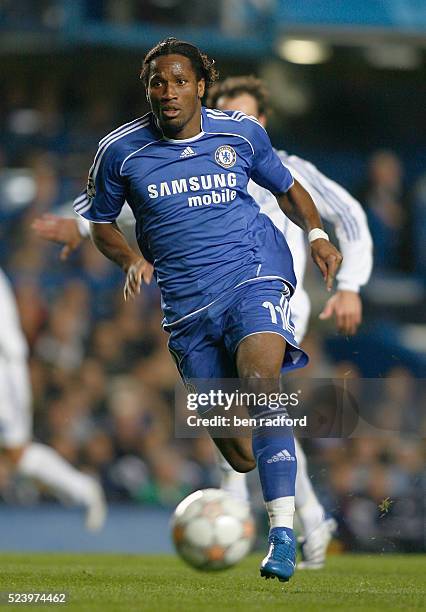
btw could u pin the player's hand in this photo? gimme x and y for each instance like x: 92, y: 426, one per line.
x: 140, y: 270
x: 327, y: 258
x: 346, y: 306
x: 58, y: 229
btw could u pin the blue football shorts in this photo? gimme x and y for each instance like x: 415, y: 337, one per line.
x: 204, y: 344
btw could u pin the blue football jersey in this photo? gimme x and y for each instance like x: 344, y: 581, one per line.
x: 195, y: 220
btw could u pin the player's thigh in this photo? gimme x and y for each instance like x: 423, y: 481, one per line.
x: 208, y: 367
x: 260, y: 356
x: 260, y: 333
x: 199, y: 351
x: 205, y: 362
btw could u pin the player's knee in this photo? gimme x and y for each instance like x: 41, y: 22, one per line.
x: 255, y: 376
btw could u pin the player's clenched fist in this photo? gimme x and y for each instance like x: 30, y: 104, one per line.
x: 327, y: 258
x: 140, y: 270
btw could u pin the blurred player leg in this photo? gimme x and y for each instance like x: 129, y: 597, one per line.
x: 37, y: 460
x: 309, y: 510
x: 231, y: 481
x: 316, y: 529
x: 44, y: 464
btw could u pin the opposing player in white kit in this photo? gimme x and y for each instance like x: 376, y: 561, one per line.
x: 29, y: 458
x: 335, y: 205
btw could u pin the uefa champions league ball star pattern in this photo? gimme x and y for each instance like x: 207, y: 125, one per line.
x: 212, y: 530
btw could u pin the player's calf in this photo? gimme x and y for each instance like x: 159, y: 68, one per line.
x: 238, y: 453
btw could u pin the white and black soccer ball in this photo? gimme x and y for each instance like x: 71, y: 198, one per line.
x: 212, y: 530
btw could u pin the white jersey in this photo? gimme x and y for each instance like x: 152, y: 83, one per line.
x: 12, y: 340
x: 15, y: 393
x: 334, y: 205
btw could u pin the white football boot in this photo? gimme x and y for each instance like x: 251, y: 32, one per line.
x: 314, y: 545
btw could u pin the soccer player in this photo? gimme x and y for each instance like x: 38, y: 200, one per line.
x: 31, y: 459
x: 337, y: 206
x: 224, y: 270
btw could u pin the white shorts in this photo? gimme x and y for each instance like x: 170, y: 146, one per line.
x: 15, y: 403
x: 300, y: 307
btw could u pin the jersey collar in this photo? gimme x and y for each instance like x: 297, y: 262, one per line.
x: 184, y: 140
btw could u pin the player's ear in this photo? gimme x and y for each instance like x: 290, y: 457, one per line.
x: 201, y: 88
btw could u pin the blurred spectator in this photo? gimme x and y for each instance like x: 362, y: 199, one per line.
x: 25, y: 13
x: 173, y: 478
x: 388, y: 211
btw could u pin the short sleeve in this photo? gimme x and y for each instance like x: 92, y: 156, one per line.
x: 104, y: 196
x: 267, y: 169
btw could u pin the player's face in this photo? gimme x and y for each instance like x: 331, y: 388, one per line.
x: 174, y: 94
x: 245, y: 103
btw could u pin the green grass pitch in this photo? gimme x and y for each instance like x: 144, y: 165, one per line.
x: 155, y: 583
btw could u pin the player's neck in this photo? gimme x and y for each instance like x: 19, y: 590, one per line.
x: 184, y: 134
x: 192, y: 128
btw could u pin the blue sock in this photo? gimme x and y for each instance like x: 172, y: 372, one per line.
x: 273, y: 448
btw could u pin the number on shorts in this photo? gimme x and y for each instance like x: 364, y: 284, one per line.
x: 284, y: 310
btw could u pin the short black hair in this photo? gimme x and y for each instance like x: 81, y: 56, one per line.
x: 236, y: 86
x: 203, y: 66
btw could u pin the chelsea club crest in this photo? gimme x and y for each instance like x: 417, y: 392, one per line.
x: 225, y: 156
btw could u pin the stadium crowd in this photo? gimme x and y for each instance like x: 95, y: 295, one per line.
x: 103, y: 381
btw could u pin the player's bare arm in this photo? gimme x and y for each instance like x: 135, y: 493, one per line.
x: 298, y: 205
x: 112, y: 243
x: 58, y: 229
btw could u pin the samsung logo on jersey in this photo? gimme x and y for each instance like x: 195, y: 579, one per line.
x: 194, y: 183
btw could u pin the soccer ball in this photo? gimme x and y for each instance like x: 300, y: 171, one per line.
x: 212, y: 530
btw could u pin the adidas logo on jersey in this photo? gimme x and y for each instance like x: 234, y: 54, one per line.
x: 188, y: 152
x: 283, y: 455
